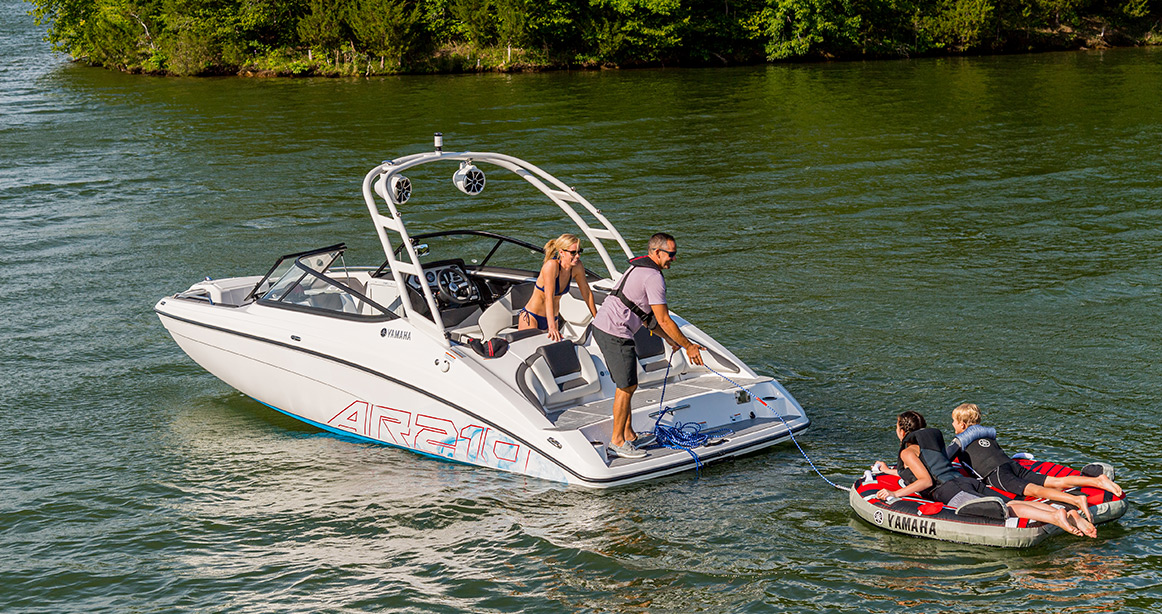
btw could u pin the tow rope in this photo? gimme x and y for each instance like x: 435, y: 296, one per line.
x: 684, y: 436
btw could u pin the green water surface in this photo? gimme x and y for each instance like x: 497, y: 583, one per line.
x: 879, y: 236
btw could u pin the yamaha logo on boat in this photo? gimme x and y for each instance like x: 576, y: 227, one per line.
x: 984, y: 443
x: 879, y: 517
x: 911, y: 524
x: 391, y: 333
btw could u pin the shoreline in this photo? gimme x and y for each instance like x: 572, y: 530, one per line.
x: 267, y: 68
x: 134, y: 48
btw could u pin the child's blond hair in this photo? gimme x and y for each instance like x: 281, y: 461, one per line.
x: 968, y: 413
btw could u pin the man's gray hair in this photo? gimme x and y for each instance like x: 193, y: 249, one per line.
x: 659, y: 241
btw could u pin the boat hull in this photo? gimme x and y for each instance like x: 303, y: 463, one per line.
x: 354, y: 397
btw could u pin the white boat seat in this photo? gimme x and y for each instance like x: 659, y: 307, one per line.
x: 558, y: 373
x: 502, y: 314
x: 330, y: 301
x: 575, y: 314
x: 334, y: 301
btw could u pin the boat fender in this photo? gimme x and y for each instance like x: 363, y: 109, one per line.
x: 493, y: 348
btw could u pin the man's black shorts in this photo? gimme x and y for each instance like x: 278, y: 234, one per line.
x: 620, y: 357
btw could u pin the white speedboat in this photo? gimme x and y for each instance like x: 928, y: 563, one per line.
x: 384, y: 353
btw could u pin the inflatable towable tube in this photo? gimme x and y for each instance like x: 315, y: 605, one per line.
x: 913, y: 515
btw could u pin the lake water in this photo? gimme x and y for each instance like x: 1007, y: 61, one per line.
x: 879, y: 236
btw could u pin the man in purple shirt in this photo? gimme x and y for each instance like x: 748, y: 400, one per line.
x: 638, y: 299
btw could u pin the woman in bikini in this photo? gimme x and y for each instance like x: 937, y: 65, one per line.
x: 562, y: 265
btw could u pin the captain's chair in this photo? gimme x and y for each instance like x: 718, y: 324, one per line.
x: 652, y: 359
x: 557, y: 374
x: 502, y: 314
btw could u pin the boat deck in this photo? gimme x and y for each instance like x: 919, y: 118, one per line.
x: 704, y: 452
x: 596, y: 411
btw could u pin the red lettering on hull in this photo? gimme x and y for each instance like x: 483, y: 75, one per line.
x: 390, y: 424
x: 432, y: 435
x: 351, y: 418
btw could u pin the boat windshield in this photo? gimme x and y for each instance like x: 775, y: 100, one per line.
x: 477, y: 249
x: 308, y: 281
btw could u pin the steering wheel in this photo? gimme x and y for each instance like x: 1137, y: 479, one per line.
x: 455, y: 288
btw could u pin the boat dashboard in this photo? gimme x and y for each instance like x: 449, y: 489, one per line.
x: 450, y: 283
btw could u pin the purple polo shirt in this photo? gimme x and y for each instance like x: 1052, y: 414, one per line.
x: 644, y: 286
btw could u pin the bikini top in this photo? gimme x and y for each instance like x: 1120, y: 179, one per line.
x: 568, y: 282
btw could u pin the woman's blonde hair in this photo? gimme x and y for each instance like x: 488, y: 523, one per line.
x: 967, y: 413
x: 556, y: 245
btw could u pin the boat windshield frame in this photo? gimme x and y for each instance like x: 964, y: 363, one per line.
x: 338, y: 247
x: 317, y: 272
x: 417, y: 240
x: 406, y: 261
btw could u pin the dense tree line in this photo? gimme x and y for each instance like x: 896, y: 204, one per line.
x: 384, y: 36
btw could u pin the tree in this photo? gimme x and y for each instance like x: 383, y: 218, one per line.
x: 511, y: 18
x: 324, y: 26
x: 387, y: 28
x: 636, y: 30
x: 477, y: 19
x: 958, y: 25
x: 799, y: 28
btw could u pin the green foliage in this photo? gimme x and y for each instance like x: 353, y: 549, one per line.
x: 717, y: 33
x: 511, y: 21
x: 635, y: 31
x: 801, y: 28
x: 334, y: 37
x: 1055, y: 12
x: 323, y: 26
x: 1135, y: 9
x: 554, y: 23
x: 386, y: 28
x: 957, y: 24
x: 476, y: 19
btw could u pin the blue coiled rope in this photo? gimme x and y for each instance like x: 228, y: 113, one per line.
x: 682, y: 435
x: 685, y: 440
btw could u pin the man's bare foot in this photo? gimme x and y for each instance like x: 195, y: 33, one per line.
x: 1105, y: 483
x: 1085, y: 526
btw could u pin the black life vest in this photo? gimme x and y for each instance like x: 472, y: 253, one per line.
x: 931, y: 442
x: 647, y: 317
x: 984, y: 456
